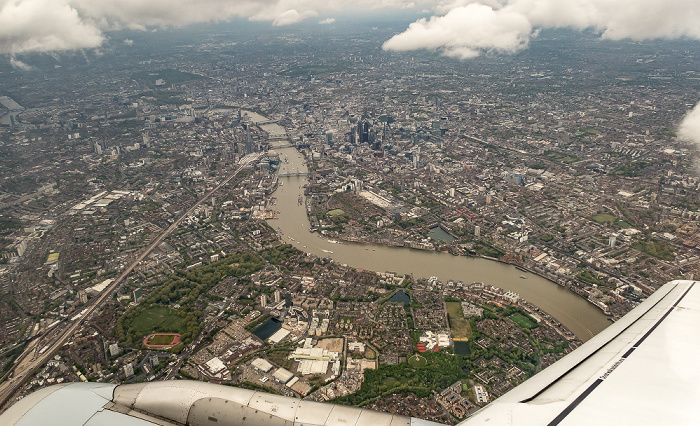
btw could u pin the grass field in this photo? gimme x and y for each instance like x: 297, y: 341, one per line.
x: 417, y: 361
x: 391, y: 382
x: 656, y: 248
x: 458, y: 324
x: 561, y: 157
x: 523, y: 321
x: 604, y: 218
x: 163, y: 98
x: 336, y: 212
x: 162, y: 339
x: 157, y: 319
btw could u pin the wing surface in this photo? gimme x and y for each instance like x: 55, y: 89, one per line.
x: 641, y: 370
x: 184, y: 402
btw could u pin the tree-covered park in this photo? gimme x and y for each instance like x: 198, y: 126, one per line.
x: 157, y: 312
x: 440, y: 370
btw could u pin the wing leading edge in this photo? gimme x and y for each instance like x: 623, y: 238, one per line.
x: 184, y: 402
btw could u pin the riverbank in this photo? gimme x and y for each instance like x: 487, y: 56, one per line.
x: 523, y: 268
x: 565, y: 306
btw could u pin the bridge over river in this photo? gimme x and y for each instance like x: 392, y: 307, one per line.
x: 293, y: 173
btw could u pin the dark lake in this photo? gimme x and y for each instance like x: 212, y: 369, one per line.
x: 439, y: 234
x: 267, y: 329
x: 400, y: 297
x: 462, y: 348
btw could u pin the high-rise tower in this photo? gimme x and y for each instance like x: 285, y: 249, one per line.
x: 249, y: 147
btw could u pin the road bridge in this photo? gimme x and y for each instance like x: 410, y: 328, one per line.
x: 293, y: 173
x: 281, y: 143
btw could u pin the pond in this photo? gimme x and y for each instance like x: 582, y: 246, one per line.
x: 462, y: 348
x: 439, y: 234
x: 400, y: 297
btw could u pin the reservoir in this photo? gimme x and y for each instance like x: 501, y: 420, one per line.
x: 582, y: 318
x: 439, y: 234
x: 268, y: 328
x: 462, y: 348
x: 400, y: 297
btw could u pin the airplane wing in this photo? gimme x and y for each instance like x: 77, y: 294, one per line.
x: 640, y: 370
x: 184, y: 402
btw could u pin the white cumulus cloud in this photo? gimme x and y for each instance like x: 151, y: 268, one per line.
x: 466, y: 31
x: 461, y: 28
x: 616, y: 19
x: 43, y: 25
x: 292, y: 16
x: 689, y: 128
x: 326, y: 21
x: 475, y: 26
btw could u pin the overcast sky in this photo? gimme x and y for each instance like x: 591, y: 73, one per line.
x: 457, y: 28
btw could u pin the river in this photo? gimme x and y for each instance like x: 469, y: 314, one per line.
x: 582, y: 318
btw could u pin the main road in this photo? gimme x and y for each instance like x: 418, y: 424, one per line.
x: 18, y: 378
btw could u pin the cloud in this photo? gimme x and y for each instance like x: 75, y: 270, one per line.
x: 326, y: 21
x: 466, y: 31
x: 55, y: 25
x: 616, y: 19
x: 461, y: 28
x: 689, y: 128
x: 17, y: 64
x: 292, y: 16
x: 466, y: 28
x: 129, y: 42
x: 44, y: 25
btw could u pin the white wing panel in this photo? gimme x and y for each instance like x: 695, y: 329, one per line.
x: 312, y: 413
x: 634, y: 372
x: 658, y: 382
x: 70, y: 405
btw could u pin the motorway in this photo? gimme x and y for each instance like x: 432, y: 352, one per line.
x: 18, y: 378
